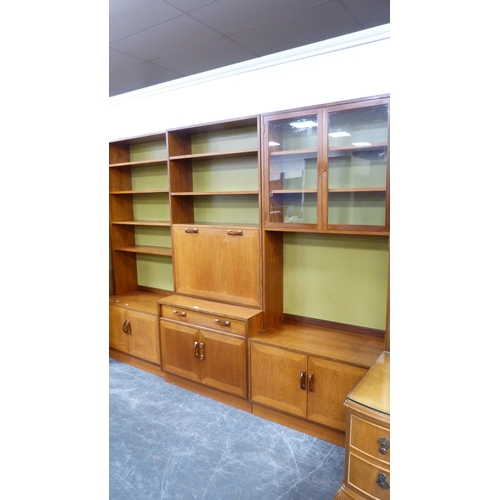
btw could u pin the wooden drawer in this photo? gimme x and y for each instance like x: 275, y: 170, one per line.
x: 364, y: 475
x: 222, y: 324
x: 365, y: 437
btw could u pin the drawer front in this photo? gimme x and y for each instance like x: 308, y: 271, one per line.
x: 368, y: 478
x: 370, y: 438
x: 227, y: 325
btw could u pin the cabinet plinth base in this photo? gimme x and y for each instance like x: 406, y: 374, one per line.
x: 209, y: 392
x: 136, y: 362
x: 325, y: 433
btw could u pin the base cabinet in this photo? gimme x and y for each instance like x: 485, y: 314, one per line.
x: 206, y: 342
x: 213, y: 359
x: 302, y: 385
x: 134, y: 333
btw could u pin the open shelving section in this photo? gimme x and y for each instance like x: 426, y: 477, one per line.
x: 140, y: 214
x: 214, y: 172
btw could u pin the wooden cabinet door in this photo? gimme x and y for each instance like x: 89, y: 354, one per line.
x: 118, y: 339
x: 144, y: 341
x: 218, y: 263
x: 330, y: 384
x: 178, y: 350
x: 279, y: 379
x: 224, y: 363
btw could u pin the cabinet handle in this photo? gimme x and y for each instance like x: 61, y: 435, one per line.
x: 179, y: 313
x: 202, y: 351
x: 234, y: 232
x: 191, y: 230
x: 382, y: 481
x: 196, y: 350
x: 311, y: 382
x: 384, y: 445
x: 124, y: 326
x: 129, y: 328
x: 303, y: 380
x: 222, y: 323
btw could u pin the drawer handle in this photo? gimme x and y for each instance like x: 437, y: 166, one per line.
x: 191, y: 230
x: 303, y: 380
x: 196, y: 350
x: 126, y: 327
x: 202, y: 351
x: 382, y: 481
x: 311, y: 382
x: 234, y: 232
x: 222, y: 323
x: 384, y: 445
x: 179, y: 313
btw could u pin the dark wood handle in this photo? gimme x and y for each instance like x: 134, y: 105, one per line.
x: 179, y: 313
x: 234, y: 232
x: 303, y: 380
x: 311, y: 382
x: 222, y: 323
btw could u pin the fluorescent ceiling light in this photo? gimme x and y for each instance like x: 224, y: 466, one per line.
x: 304, y: 124
x: 361, y: 144
x: 339, y: 134
x: 272, y: 143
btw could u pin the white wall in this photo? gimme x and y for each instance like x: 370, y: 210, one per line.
x: 346, y: 67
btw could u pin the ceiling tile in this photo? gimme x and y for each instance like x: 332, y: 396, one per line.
x: 127, y: 17
x: 232, y: 16
x: 171, y: 36
x: 216, y: 54
x: 370, y: 12
x: 142, y: 75
x: 119, y: 61
x: 323, y: 22
x: 187, y: 5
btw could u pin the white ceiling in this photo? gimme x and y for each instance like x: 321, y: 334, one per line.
x: 156, y: 41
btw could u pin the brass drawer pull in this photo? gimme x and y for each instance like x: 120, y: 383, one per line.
x: 382, y: 481
x: 234, y: 232
x: 191, y: 230
x: 179, y: 313
x: 384, y: 445
x: 303, y: 380
x: 222, y: 323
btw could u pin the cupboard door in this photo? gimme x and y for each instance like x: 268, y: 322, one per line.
x: 327, y: 390
x: 279, y: 379
x: 218, y: 263
x: 180, y: 350
x: 224, y: 363
x: 144, y: 341
x: 118, y: 339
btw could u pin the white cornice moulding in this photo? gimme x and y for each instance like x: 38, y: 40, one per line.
x: 332, y: 45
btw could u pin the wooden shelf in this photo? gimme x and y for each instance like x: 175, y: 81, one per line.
x: 358, y: 190
x: 206, y: 156
x: 147, y: 163
x: 166, y: 252
x: 215, y: 193
x: 154, y: 223
x: 142, y: 191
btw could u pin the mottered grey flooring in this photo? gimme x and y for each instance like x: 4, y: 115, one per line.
x: 168, y: 443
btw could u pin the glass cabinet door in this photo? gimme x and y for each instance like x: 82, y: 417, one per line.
x: 292, y: 147
x: 358, y: 167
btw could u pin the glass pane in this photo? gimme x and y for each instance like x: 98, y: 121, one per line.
x: 294, y: 172
x: 293, y: 134
x: 294, y: 208
x: 357, y: 169
x: 357, y: 208
x: 358, y: 127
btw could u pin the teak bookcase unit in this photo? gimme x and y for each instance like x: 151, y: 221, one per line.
x: 198, y: 219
